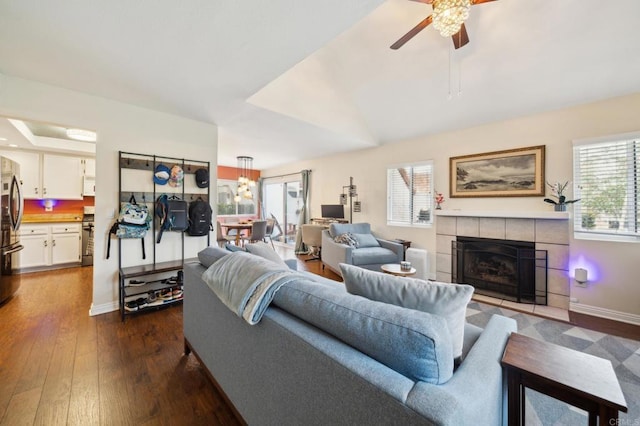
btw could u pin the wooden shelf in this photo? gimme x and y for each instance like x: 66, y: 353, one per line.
x: 151, y: 268
x: 134, y: 290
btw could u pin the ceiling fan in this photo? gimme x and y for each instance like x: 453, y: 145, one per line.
x: 448, y: 17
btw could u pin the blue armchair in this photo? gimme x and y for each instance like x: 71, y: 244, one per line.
x: 368, y: 251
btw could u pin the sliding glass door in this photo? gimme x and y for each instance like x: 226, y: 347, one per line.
x: 283, y: 200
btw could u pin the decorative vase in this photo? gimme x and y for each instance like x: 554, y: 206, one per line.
x: 560, y: 207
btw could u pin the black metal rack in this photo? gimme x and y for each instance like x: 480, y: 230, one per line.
x: 131, y: 160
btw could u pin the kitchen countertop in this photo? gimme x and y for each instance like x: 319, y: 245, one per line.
x: 51, y: 218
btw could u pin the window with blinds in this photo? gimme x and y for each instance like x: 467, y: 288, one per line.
x: 606, y: 181
x: 410, y: 195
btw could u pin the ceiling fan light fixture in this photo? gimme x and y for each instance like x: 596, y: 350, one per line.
x: 449, y: 15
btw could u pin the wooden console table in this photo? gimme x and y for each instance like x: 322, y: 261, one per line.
x: 582, y: 380
x: 327, y: 221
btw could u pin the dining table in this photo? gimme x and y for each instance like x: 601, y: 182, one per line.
x: 239, y: 227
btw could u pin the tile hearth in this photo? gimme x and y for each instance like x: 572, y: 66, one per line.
x: 549, y: 312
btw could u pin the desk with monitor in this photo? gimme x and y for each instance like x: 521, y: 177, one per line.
x: 327, y: 221
x: 331, y: 213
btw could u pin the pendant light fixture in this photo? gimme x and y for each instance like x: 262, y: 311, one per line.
x: 245, y: 183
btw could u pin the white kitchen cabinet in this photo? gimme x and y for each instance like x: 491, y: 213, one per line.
x: 36, y: 251
x: 65, y: 243
x: 52, y: 176
x: 50, y: 245
x: 89, y: 186
x: 30, y: 176
x: 89, y: 177
x: 62, y: 177
x: 89, y: 165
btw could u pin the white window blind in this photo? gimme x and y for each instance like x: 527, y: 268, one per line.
x: 410, y: 194
x: 606, y: 181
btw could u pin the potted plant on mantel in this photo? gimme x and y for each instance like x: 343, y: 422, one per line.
x: 557, y: 189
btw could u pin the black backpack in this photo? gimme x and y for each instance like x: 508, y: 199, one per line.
x: 172, y: 214
x: 200, y: 214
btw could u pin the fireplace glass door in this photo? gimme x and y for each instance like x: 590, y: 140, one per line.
x: 511, y: 270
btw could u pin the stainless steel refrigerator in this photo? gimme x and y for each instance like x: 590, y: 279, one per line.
x: 11, y: 208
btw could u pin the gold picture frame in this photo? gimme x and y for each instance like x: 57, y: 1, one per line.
x: 510, y: 173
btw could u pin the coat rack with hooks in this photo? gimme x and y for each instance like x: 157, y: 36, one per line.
x: 140, y: 282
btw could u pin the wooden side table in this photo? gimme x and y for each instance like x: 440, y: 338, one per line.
x: 582, y: 380
x: 405, y: 245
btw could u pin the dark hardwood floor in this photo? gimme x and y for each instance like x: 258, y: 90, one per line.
x: 60, y: 366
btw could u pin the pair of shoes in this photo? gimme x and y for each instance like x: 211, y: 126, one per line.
x: 156, y: 302
x: 142, y: 302
x: 154, y: 299
x: 131, y: 306
x: 177, y: 293
x: 134, y: 305
x: 136, y: 283
x: 165, y: 295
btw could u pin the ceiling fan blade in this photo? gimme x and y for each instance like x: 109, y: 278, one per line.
x: 415, y: 30
x: 474, y: 2
x: 461, y: 37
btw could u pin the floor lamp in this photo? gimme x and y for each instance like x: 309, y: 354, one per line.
x: 351, y: 191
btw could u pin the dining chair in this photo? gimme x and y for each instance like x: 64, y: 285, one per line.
x: 258, y: 231
x: 277, y: 229
x: 222, y: 239
x: 270, y: 226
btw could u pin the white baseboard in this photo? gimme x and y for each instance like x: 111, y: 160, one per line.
x: 103, y: 308
x: 604, y: 313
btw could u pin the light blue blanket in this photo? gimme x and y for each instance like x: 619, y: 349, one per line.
x: 246, y: 283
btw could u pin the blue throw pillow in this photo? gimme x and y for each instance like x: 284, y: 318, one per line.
x: 413, y: 343
x: 366, y: 240
x: 211, y: 255
x: 265, y: 251
x: 233, y: 247
x: 443, y: 299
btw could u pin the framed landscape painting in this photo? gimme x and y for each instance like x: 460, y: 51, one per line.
x: 512, y: 173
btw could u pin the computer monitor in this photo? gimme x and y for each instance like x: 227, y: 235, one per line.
x: 332, y: 211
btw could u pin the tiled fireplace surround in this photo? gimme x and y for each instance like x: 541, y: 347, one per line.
x: 548, y: 230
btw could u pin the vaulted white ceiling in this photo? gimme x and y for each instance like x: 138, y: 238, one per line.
x: 286, y: 80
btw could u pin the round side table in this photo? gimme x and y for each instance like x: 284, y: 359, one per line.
x: 394, y: 269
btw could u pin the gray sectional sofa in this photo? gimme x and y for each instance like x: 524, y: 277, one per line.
x: 287, y: 371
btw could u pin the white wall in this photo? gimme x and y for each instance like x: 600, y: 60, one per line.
x: 120, y: 127
x: 615, y: 293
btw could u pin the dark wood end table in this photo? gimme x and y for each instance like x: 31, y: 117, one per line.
x: 582, y: 380
x: 405, y: 245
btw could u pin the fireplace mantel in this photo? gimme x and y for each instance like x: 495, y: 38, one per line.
x: 505, y: 214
